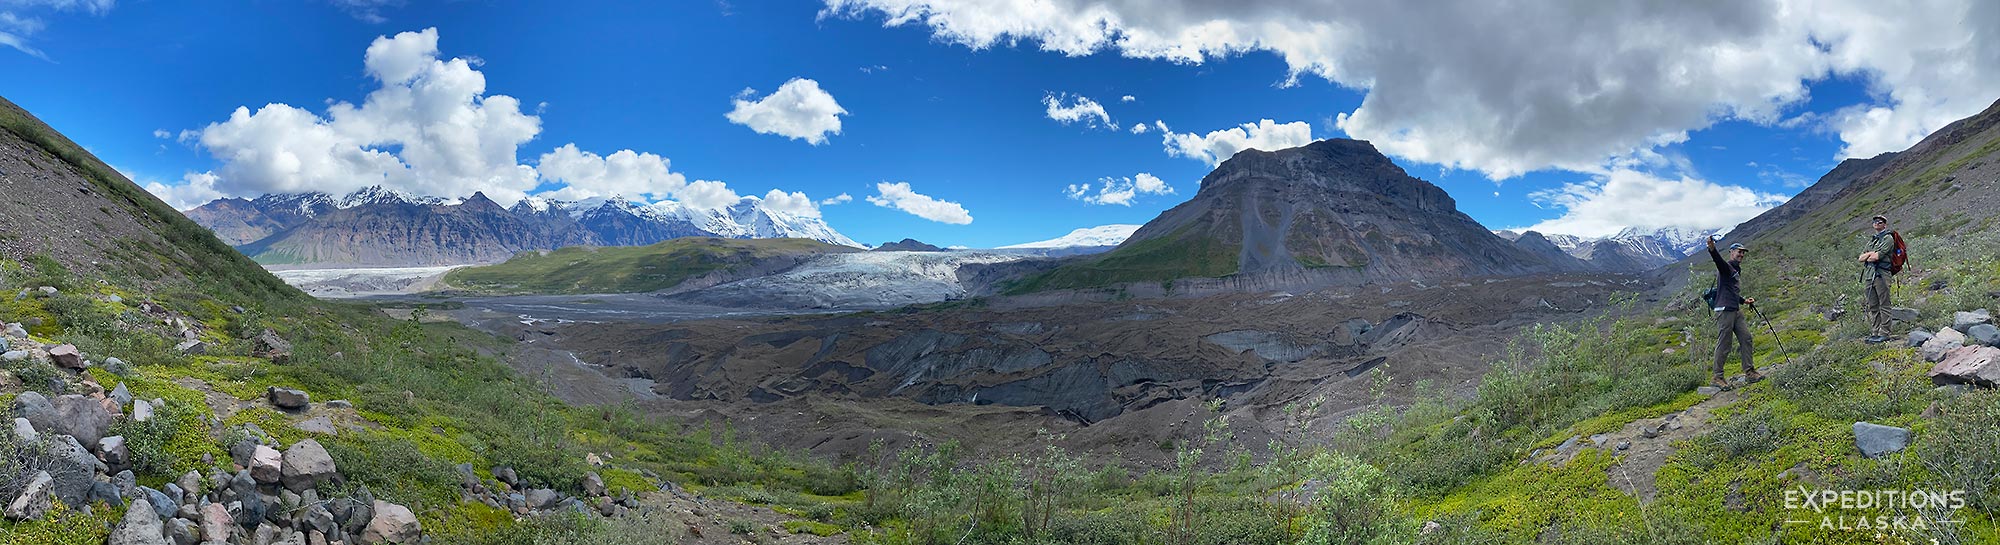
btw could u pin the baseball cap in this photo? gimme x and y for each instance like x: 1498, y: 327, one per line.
x: 1739, y: 246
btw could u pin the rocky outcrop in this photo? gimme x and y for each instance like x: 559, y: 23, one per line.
x: 1976, y: 365
x: 1876, y: 440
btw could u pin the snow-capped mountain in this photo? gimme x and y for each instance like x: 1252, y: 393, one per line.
x: 1630, y: 249
x: 1102, y: 235
x: 376, y: 226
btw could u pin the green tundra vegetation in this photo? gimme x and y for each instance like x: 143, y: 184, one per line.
x: 627, y: 269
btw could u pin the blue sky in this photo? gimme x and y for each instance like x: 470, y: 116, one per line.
x: 935, y: 99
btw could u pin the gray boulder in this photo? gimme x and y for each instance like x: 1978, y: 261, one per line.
x: 1977, y: 365
x: 593, y: 484
x: 1984, y: 334
x: 36, y: 409
x: 1963, y: 321
x: 183, y: 532
x: 107, y: 493
x: 216, y: 524
x: 193, y: 347
x: 122, y: 395
x: 14, y: 355
x: 542, y: 498
x: 127, y: 483
x: 34, y: 498
x: 113, y: 452
x: 142, y: 410
x: 141, y: 526
x: 24, y: 431
x: 1877, y: 440
x: 73, y: 468
x: 78, y: 416
x: 1944, y: 342
x: 66, y: 356
x: 266, y: 464
x: 17, y: 331
x: 306, y: 465
x: 288, y: 399
x: 1918, y: 337
x: 163, y: 503
x: 392, y: 523
x: 1903, y: 314
x: 270, y: 346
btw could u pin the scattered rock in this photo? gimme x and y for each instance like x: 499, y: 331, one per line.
x: 270, y: 346
x: 192, y: 347
x: 1963, y: 321
x: 1944, y: 342
x: 164, y: 504
x: 1569, y: 444
x: 306, y: 465
x: 339, y: 404
x: 392, y: 523
x: 141, y: 526
x: 543, y: 498
x: 593, y: 485
x: 1876, y: 440
x: 266, y: 464
x: 49, y: 291
x: 288, y: 399
x: 1707, y: 390
x: 66, y: 356
x: 1918, y: 337
x: 121, y: 395
x: 1624, y: 445
x: 1902, y: 314
x: 506, y: 475
x: 104, y: 492
x: 182, y: 532
x: 317, y: 425
x: 216, y: 525
x: 14, y: 355
x: 24, y: 432
x: 1939, y: 284
x: 1984, y: 334
x: 34, y: 498
x: 113, y: 452
x: 142, y: 410
x: 1835, y: 313
x: 78, y: 416
x: 1968, y: 365
x: 117, y: 366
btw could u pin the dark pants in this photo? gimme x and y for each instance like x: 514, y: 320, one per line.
x: 1876, y: 303
x: 1732, y: 323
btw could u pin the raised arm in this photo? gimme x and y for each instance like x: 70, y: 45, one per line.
x: 1720, y: 265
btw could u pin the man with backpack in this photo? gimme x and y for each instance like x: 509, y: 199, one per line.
x: 1882, y: 260
x: 1729, y: 318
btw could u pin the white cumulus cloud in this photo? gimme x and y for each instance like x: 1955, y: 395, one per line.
x: 799, y: 110
x: 624, y: 173
x: 1138, y: 128
x: 1218, y: 146
x: 430, y: 128
x: 842, y: 198
x: 1119, y: 191
x: 195, y: 189
x: 1624, y: 198
x: 1066, y: 109
x: 1510, y: 87
x: 898, y: 195
x: 796, y: 203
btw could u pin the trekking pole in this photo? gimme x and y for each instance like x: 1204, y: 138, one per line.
x: 1774, y: 334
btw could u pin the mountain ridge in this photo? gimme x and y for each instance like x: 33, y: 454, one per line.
x: 376, y: 226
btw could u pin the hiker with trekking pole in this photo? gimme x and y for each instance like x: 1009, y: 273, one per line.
x: 1883, y: 260
x: 1729, y: 319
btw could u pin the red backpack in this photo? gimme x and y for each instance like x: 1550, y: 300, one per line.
x: 1901, y: 254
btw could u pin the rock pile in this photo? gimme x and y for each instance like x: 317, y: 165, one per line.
x: 271, y: 497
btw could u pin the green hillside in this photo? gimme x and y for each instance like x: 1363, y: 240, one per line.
x: 631, y: 269
x: 1182, y: 254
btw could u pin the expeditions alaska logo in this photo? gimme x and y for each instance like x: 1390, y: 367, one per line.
x: 1862, y: 510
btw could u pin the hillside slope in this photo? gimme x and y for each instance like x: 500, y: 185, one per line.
x: 633, y: 269
x: 154, y: 376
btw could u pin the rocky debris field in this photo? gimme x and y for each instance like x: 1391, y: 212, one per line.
x: 61, y: 452
x: 1121, y: 376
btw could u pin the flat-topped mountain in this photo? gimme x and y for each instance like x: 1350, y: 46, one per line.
x: 1334, y: 211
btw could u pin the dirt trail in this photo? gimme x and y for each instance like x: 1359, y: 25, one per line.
x: 1644, y: 445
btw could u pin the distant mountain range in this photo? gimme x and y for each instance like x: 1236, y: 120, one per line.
x: 381, y: 227
x: 1630, y: 250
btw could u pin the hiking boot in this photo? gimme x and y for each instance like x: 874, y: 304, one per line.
x: 1752, y: 376
x: 1719, y: 383
x: 1875, y: 339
